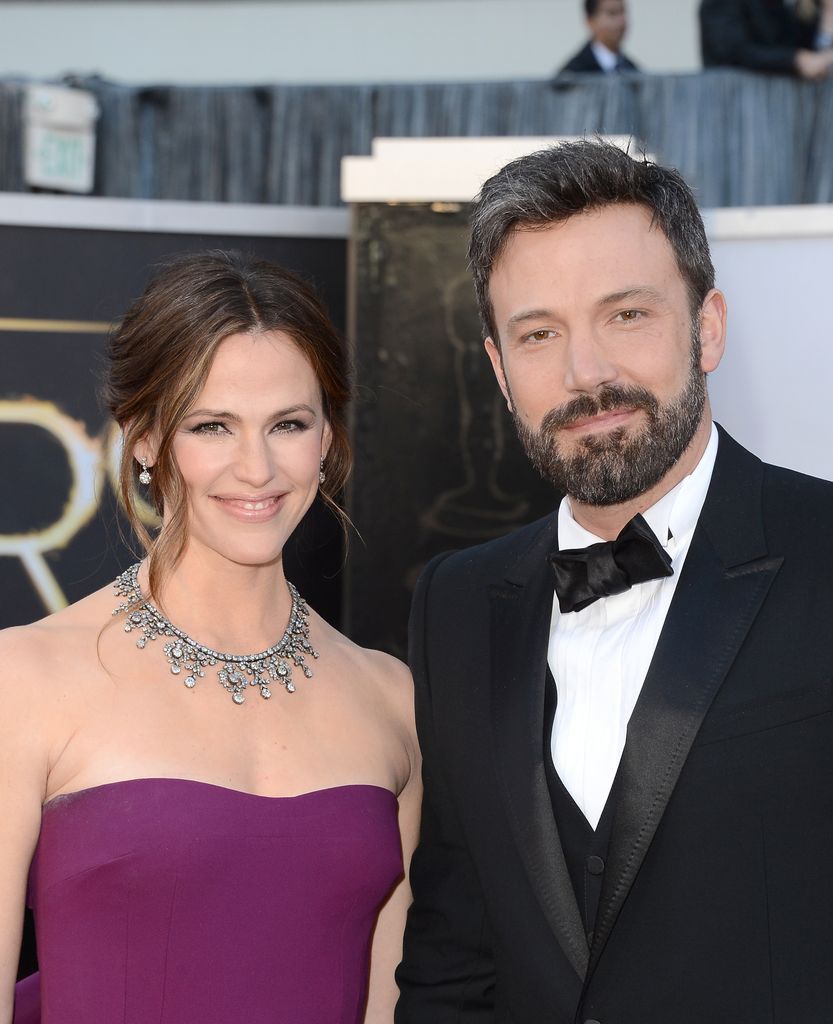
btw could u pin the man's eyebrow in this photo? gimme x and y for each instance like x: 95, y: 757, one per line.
x: 645, y: 292
x: 224, y: 414
x: 525, y: 315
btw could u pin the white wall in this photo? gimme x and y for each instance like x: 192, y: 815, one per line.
x: 772, y: 389
x: 325, y: 40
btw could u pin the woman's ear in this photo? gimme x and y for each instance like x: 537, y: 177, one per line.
x: 145, y: 449
x: 326, y: 439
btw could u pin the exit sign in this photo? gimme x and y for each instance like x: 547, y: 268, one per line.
x: 59, y: 150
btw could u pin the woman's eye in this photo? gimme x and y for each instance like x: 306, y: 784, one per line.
x: 209, y: 428
x: 289, y: 426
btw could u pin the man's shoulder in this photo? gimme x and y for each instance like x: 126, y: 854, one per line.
x: 493, y: 560
x: 583, y: 60
x: 800, y: 500
x: 736, y: 461
x: 792, y: 481
x: 795, y: 507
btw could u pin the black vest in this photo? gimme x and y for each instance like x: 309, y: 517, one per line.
x: 585, y: 849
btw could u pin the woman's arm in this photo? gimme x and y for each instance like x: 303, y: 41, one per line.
x: 386, y: 949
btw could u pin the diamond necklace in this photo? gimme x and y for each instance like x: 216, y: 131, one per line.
x: 236, y: 671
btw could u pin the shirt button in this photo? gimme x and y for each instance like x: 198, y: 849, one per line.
x: 596, y: 866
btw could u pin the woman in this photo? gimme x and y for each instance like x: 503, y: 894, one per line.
x: 207, y: 852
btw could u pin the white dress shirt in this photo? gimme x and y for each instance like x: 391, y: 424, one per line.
x: 599, y: 657
x: 608, y: 60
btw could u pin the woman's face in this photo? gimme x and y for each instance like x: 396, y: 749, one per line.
x: 249, y: 450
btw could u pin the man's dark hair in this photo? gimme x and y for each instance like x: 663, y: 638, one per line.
x: 590, y: 7
x: 552, y: 185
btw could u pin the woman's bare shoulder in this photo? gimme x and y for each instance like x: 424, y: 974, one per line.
x: 388, y: 678
x: 34, y: 650
x: 384, y: 669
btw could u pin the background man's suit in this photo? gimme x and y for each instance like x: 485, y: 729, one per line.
x: 585, y: 60
x: 762, y: 35
x: 716, y: 898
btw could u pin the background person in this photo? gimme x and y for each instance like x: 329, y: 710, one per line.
x: 217, y: 850
x: 625, y: 707
x: 787, y: 36
x: 608, y: 23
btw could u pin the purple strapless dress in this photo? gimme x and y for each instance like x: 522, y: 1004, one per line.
x: 163, y: 901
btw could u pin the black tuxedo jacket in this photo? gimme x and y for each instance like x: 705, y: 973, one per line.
x: 585, y: 60
x: 762, y: 35
x: 717, y: 897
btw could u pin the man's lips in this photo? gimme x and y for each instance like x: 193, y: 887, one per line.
x: 601, y: 421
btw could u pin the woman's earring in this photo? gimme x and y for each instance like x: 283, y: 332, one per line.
x: 144, y: 476
x: 322, y: 476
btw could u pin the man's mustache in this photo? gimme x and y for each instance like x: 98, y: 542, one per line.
x: 606, y: 399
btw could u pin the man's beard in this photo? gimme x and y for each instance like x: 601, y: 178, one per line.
x: 615, y: 467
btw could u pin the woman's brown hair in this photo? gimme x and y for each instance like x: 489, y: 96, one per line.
x: 160, y: 356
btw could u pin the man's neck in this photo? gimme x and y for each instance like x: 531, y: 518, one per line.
x: 610, y: 49
x: 607, y: 521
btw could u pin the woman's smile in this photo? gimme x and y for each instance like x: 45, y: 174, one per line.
x: 250, y: 509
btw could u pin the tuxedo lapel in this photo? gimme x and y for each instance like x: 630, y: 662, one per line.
x: 521, y: 609
x: 724, y: 581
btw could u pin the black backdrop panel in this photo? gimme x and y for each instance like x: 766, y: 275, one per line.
x: 58, y: 544
x: 438, y: 465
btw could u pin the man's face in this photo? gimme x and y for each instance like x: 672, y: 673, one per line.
x: 599, y: 360
x: 609, y: 24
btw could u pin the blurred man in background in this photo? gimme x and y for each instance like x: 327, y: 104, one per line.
x: 608, y: 23
x: 786, y: 36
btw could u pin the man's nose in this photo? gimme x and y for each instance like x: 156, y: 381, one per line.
x: 588, y: 364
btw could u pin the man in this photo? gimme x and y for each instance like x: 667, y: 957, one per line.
x: 607, y: 22
x: 629, y: 782
x: 786, y: 36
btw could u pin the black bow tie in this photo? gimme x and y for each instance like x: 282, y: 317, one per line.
x: 583, y: 575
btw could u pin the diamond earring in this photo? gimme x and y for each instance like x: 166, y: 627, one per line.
x: 322, y: 476
x: 144, y: 476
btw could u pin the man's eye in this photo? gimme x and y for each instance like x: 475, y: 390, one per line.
x: 544, y: 334
x: 629, y: 315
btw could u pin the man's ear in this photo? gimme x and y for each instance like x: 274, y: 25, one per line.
x: 496, y: 360
x: 712, y: 330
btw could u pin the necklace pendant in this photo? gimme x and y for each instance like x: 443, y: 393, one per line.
x: 238, y: 697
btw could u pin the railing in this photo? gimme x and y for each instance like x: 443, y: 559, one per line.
x: 741, y: 139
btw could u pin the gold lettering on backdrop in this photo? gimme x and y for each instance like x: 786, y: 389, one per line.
x: 15, y: 323
x: 91, y: 460
x: 83, y: 455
